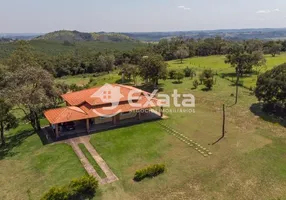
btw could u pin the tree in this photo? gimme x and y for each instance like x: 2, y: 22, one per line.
x: 153, y: 68
x: 129, y: 71
x: 110, y: 60
x: 22, y: 56
x: 7, y: 120
x: 243, y: 62
x: 273, y: 48
x: 189, y: 72
x: 172, y: 74
x: 31, y: 89
x: 182, y: 52
x: 196, y: 83
x: 253, y: 45
x: 179, y: 76
x: 208, y: 76
x: 102, y: 63
x: 271, y: 87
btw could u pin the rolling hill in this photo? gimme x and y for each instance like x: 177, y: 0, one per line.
x: 76, y: 36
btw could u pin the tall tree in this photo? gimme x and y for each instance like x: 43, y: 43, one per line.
x: 153, y: 68
x: 7, y: 120
x: 182, y: 52
x: 271, y: 87
x: 273, y: 48
x: 243, y: 62
x: 129, y: 71
x: 31, y: 89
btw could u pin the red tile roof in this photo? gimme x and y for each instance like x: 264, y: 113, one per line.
x: 85, y: 104
x: 66, y: 114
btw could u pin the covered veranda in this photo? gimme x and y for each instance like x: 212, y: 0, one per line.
x: 84, y: 124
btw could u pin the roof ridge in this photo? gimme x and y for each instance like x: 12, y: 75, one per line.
x: 70, y: 107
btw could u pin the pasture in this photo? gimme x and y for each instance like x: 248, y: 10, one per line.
x: 217, y: 64
x: 249, y: 163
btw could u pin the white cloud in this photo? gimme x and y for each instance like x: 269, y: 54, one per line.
x: 267, y: 11
x: 263, y: 11
x: 184, y: 8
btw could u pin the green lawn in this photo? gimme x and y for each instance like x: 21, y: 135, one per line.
x: 92, y: 161
x: 218, y: 65
x: 249, y: 163
x: 84, y: 79
x: 244, y: 165
x: 27, y: 165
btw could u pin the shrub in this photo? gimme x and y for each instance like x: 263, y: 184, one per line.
x: 207, y: 77
x: 189, y: 72
x: 209, y: 82
x: 172, y: 74
x: 179, y: 76
x: 196, y: 83
x: 151, y: 171
x: 57, y: 193
x: 91, y: 80
x: 82, y: 188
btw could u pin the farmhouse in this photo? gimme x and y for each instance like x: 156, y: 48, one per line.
x: 110, y: 104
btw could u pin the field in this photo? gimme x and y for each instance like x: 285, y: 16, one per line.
x: 218, y: 65
x: 249, y: 163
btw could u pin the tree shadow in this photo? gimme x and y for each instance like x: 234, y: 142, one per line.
x: 14, y: 141
x: 206, y: 89
x: 257, y: 109
x: 177, y: 82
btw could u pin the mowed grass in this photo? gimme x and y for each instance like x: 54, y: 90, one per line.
x: 28, y: 168
x: 82, y: 80
x: 219, y: 66
x: 249, y: 163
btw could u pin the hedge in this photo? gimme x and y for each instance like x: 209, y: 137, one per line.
x: 150, y: 172
x: 82, y: 188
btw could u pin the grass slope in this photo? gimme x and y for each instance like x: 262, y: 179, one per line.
x: 249, y: 163
x: 28, y: 169
x: 218, y: 65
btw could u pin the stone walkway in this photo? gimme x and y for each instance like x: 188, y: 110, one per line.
x: 110, y: 176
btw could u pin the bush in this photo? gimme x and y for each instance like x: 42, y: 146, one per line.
x: 179, y: 76
x: 149, y: 172
x: 196, y: 83
x: 189, y: 72
x: 57, y: 193
x: 209, y: 82
x: 207, y: 77
x: 82, y: 188
x: 172, y: 74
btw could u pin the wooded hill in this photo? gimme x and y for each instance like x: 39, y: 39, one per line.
x: 75, y: 36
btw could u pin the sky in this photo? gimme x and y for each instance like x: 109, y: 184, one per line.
x: 42, y: 16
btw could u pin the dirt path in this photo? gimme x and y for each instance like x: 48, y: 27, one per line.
x: 110, y: 176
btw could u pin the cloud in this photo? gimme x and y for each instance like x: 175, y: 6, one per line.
x: 267, y: 11
x: 263, y: 11
x: 184, y: 8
